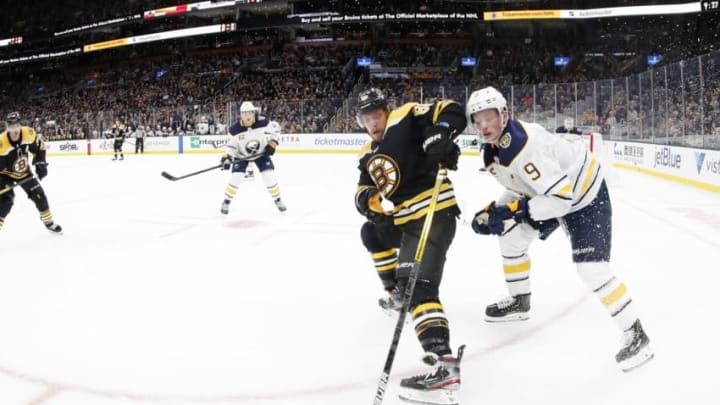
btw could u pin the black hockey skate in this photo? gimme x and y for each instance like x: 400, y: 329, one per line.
x: 53, y: 227
x: 280, y: 205
x: 509, y: 309
x: 225, y: 207
x: 438, y: 386
x: 636, y: 349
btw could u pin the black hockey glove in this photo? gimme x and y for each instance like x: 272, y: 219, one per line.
x: 269, y: 150
x: 439, y: 147
x: 226, y: 162
x: 41, y: 169
x: 497, y: 215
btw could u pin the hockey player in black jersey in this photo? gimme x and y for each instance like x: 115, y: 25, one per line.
x: 118, y: 132
x: 399, y: 165
x: 17, y: 142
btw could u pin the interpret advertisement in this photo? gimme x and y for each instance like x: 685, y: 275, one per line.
x: 202, y: 143
x: 697, y: 167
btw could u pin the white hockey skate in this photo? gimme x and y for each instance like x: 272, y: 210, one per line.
x: 438, y: 386
x: 636, y: 349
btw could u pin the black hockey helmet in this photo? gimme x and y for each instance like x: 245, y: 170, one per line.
x: 13, y: 118
x: 369, y: 100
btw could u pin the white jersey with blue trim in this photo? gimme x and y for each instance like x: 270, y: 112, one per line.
x: 249, y: 142
x: 559, y: 175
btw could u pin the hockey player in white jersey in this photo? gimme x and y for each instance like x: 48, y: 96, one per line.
x: 548, y: 177
x: 252, y: 139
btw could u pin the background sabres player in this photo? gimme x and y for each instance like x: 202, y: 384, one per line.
x: 16, y: 145
x: 400, y: 165
x: 546, y: 177
x: 568, y: 128
x: 252, y: 139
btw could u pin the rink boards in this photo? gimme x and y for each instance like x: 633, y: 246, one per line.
x: 693, y: 166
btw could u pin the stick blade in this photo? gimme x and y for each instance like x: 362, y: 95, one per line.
x: 168, y: 176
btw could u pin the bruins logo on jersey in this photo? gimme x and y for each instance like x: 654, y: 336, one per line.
x: 20, y: 165
x: 385, y: 173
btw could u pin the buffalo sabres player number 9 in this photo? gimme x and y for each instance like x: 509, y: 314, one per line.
x: 549, y: 178
x: 253, y: 139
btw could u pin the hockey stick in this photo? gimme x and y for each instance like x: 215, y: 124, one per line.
x: 407, y: 295
x: 11, y: 186
x: 174, y: 178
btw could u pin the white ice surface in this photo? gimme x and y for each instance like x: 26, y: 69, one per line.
x: 151, y: 296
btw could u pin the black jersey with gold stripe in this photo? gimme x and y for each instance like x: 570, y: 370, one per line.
x: 14, y: 155
x: 119, y: 132
x: 399, y: 168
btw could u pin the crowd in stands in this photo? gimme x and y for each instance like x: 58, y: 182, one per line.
x: 307, y: 80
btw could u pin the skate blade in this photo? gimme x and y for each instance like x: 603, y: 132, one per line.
x: 432, y: 397
x: 395, y: 314
x: 508, y: 318
x: 644, y: 355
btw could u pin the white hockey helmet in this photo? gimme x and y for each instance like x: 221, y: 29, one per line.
x: 485, y: 99
x: 569, y: 123
x: 248, y: 119
x: 247, y: 106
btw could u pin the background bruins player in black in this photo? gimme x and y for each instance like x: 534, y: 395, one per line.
x: 400, y: 165
x: 16, y: 144
x: 118, y: 131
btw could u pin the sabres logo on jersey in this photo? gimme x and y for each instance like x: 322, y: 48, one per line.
x: 505, y: 140
x: 385, y: 173
x: 252, y: 147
